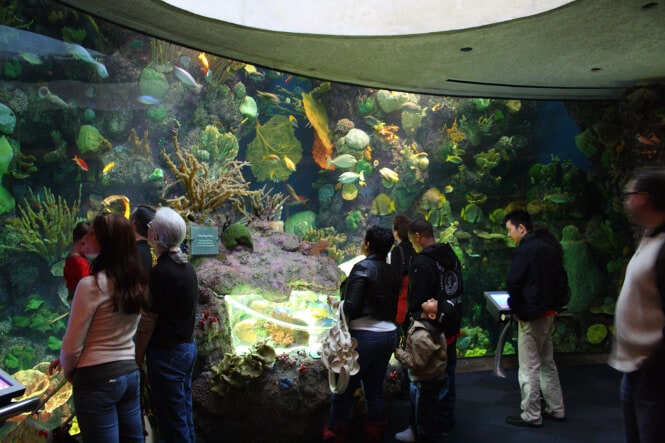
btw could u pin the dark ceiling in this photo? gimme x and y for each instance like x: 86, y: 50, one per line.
x: 588, y: 49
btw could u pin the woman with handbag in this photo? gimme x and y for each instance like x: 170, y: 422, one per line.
x: 370, y: 303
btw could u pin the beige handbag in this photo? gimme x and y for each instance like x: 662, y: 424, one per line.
x: 338, y: 353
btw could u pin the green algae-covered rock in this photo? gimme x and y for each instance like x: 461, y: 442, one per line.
x: 7, y: 119
x: 153, y: 83
x: 596, y: 333
x: 356, y: 139
x: 7, y: 202
x: 237, y: 234
x: 326, y: 194
x: 354, y: 219
x: 156, y: 113
x: 6, y: 155
x: 300, y: 222
x: 390, y: 101
x: 586, y: 282
x: 248, y: 108
x: 89, y: 139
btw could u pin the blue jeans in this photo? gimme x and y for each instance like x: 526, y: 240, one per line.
x: 170, y: 377
x: 447, y: 395
x: 643, y: 402
x: 374, y: 351
x: 112, y: 412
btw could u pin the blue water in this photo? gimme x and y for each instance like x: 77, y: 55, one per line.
x: 555, y: 133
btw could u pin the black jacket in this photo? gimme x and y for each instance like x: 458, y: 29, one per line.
x: 537, y: 281
x: 425, y: 281
x: 371, y: 290
x: 400, y: 256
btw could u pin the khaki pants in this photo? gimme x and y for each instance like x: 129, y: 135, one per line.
x: 537, y: 372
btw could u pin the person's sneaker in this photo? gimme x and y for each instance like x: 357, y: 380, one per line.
x: 550, y: 416
x: 517, y: 421
x: 406, y: 435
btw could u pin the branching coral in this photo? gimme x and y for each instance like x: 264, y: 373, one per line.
x: 140, y: 145
x: 455, y: 135
x: 265, y: 205
x: 204, y: 194
x: 9, y: 17
x: 45, y: 225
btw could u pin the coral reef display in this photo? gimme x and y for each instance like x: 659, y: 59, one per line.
x: 118, y: 115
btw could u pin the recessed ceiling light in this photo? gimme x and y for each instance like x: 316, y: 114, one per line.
x: 466, y: 49
x: 365, y: 18
x: 595, y: 69
x: 650, y: 5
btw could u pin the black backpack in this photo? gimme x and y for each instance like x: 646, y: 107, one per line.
x: 450, y: 297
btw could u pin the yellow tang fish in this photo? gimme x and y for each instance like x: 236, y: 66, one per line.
x: 108, y: 167
x: 294, y: 121
x: 289, y: 164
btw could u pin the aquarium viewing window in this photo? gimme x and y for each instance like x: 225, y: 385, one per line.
x: 295, y: 324
x: 9, y: 388
x: 368, y: 18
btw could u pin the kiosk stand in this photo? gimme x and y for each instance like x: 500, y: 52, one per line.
x: 497, y: 306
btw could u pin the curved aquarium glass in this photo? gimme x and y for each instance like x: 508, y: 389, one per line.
x: 94, y: 117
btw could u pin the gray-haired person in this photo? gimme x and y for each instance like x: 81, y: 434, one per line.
x: 165, y: 335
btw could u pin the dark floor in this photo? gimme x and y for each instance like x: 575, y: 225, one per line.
x: 591, y: 396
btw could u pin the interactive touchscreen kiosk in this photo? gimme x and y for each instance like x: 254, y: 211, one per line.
x: 497, y: 305
x: 9, y: 388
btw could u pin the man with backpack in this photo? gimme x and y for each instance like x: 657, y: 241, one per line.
x: 435, y: 272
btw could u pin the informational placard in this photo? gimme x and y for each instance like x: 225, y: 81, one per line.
x: 204, y: 240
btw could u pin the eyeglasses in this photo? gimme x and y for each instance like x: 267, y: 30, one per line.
x: 149, y: 225
x: 627, y: 193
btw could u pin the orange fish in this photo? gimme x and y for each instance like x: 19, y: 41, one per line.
x: 287, y: 80
x: 80, y: 162
x: 204, y: 62
x: 644, y: 140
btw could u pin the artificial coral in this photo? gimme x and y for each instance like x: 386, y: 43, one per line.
x: 204, y: 194
x: 45, y: 225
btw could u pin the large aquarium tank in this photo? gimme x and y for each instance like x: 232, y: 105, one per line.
x: 95, y: 117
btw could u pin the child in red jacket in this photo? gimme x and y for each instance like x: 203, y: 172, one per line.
x: 76, y: 265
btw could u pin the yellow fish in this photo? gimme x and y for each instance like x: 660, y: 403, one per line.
x: 289, y: 164
x: 108, y: 167
x: 271, y: 157
x: 389, y: 174
x: 368, y: 153
x: 294, y: 121
x: 111, y: 199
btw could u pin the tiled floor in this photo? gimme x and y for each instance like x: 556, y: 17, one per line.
x: 591, y: 396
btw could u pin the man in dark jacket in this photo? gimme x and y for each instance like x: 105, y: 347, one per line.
x: 435, y: 272
x: 536, y: 283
